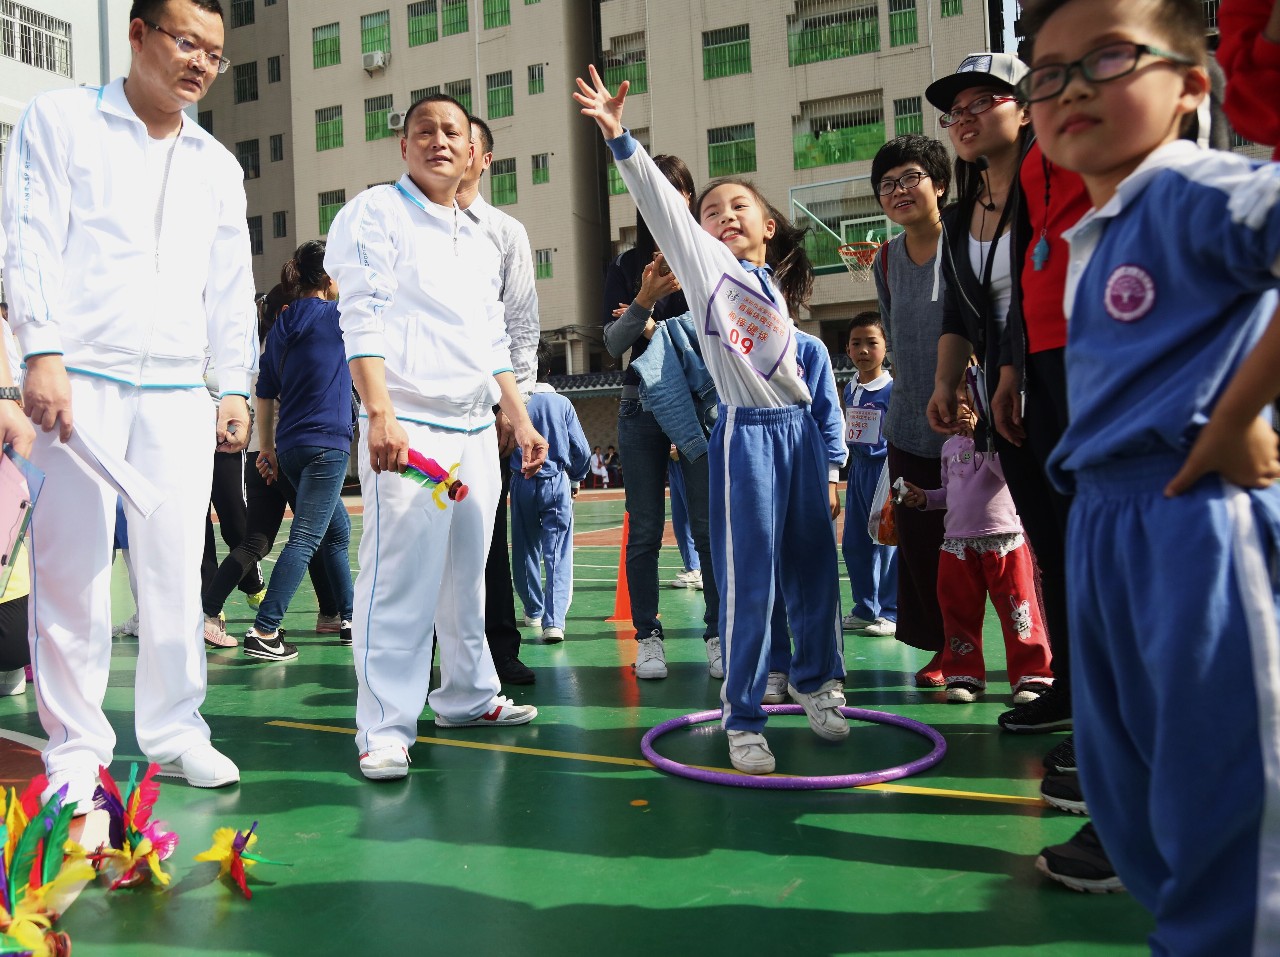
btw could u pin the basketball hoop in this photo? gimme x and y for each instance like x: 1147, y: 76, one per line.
x: 858, y: 258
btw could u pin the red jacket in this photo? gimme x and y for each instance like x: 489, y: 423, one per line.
x: 1252, y: 65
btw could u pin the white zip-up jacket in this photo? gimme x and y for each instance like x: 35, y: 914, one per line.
x: 89, y: 273
x: 418, y: 287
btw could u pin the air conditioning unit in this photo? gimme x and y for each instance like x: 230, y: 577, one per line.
x: 395, y: 120
x: 375, y: 60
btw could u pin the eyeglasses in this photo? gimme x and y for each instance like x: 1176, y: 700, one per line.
x: 980, y: 105
x: 908, y: 180
x: 189, y: 48
x: 1097, y: 66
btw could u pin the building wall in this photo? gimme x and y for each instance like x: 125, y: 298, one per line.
x: 272, y: 191
x: 563, y: 215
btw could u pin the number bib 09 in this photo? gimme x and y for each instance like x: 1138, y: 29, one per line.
x: 748, y: 325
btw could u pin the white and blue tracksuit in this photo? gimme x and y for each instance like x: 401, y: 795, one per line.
x: 1173, y: 602
x: 770, y: 525
x: 814, y: 365
x: 542, y: 509
x: 872, y: 567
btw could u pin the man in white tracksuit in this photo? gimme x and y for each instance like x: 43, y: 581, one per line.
x: 430, y: 355
x: 128, y: 259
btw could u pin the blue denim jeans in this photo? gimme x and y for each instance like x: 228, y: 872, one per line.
x: 320, y: 525
x: 645, y: 449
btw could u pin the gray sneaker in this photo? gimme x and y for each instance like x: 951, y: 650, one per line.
x: 715, y: 660
x: 775, y: 689
x: 651, y: 657
x: 749, y: 752
x: 822, y: 708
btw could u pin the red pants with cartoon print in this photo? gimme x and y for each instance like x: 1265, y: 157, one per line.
x: 963, y: 586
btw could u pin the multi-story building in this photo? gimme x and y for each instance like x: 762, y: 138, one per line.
x: 249, y: 109
x: 49, y: 44
x: 355, y: 72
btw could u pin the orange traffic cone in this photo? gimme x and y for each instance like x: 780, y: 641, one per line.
x: 622, y: 598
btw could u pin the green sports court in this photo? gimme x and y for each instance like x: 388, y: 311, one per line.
x: 558, y: 838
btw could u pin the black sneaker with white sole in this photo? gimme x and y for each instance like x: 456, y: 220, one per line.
x: 1081, y: 864
x: 274, y: 648
x: 344, y: 633
x: 1049, y: 712
x: 1063, y: 792
x: 1062, y: 759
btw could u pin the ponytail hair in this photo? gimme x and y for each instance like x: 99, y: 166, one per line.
x: 304, y: 273
x: 785, y: 252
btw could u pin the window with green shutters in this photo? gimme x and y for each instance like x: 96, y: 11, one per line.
x: 616, y: 186
x: 424, y: 23
x: 501, y: 99
x: 454, y: 15
x: 375, y: 118
x: 460, y: 90
x: 326, y: 45
x: 952, y: 8
x: 536, y: 81
x: 907, y: 116
x: 902, y: 23
x: 416, y: 95
x: 504, y: 182
x: 542, y: 264
x: 732, y: 149
x: 851, y: 29
x: 330, y: 203
x: 842, y: 129
x: 497, y: 13
x: 726, y: 52
x: 626, y: 60
x: 375, y: 32
x: 541, y: 168
x: 242, y: 13
x: 328, y: 128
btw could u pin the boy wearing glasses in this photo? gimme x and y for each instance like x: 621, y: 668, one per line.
x: 129, y: 260
x: 1173, y: 600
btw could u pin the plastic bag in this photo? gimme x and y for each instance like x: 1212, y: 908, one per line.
x: 882, y: 523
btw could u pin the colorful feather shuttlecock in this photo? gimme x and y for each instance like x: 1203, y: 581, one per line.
x: 42, y: 871
x: 431, y: 474
x: 136, y: 843
x: 231, y: 850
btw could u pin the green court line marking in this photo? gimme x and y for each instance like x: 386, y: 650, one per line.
x: 641, y: 763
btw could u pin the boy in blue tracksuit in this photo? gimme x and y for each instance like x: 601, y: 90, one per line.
x: 1172, y: 600
x: 542, y: 509
x: 872, y: 567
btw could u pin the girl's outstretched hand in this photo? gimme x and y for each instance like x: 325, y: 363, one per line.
x: 596, y: 103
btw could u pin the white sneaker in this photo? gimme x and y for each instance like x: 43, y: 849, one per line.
x: 203, y: 766
x: 532, y: 622
x: 962, y: 692
x: 503, y: 711
x: 386, y: 763
x: 881, y: 628
x: 80, y: 786
x: 775, y: 688
x: 126, y: 629
x: 715, y: 660
x: 854, y: 623
x: 690, y: 578
x: 749, y: 752
x: 651, y: 657
x: 1027, y: 692
x: 552, y: 635
x: 822, y: 708
x: 13, y: 682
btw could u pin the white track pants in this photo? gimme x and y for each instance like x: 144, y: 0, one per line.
x: 420, y: 565
x: 168, y: 435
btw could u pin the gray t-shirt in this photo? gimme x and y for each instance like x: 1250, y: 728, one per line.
x: 913, y: 322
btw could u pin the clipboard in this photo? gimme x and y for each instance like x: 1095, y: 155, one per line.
x: 20, y: 484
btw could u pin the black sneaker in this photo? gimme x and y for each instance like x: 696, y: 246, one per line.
x: 1063, y: 792
x: 513, y: 671
x: 344, y: 633
x: 1062, y: 759
x: 1049, y: 712
x: 1080, y: 864
x: 269, y: 649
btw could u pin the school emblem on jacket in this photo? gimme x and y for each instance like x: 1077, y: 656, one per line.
x: 1130, y: 293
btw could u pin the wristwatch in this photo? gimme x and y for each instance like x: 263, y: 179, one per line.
x: 11, y: 392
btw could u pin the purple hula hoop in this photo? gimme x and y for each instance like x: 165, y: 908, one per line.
x: 784, y: 783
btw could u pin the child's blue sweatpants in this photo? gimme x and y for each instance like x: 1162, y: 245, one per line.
x: 542, y: 533
x: 872, y: 567
x: 1176, y: 694
x: 771, y: 527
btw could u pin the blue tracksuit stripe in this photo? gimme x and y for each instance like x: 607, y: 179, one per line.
x: 772, y: 539
x: 872, y: 567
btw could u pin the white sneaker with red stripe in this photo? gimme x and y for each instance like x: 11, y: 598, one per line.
x: 385, y: 764
x: 502, y: 713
